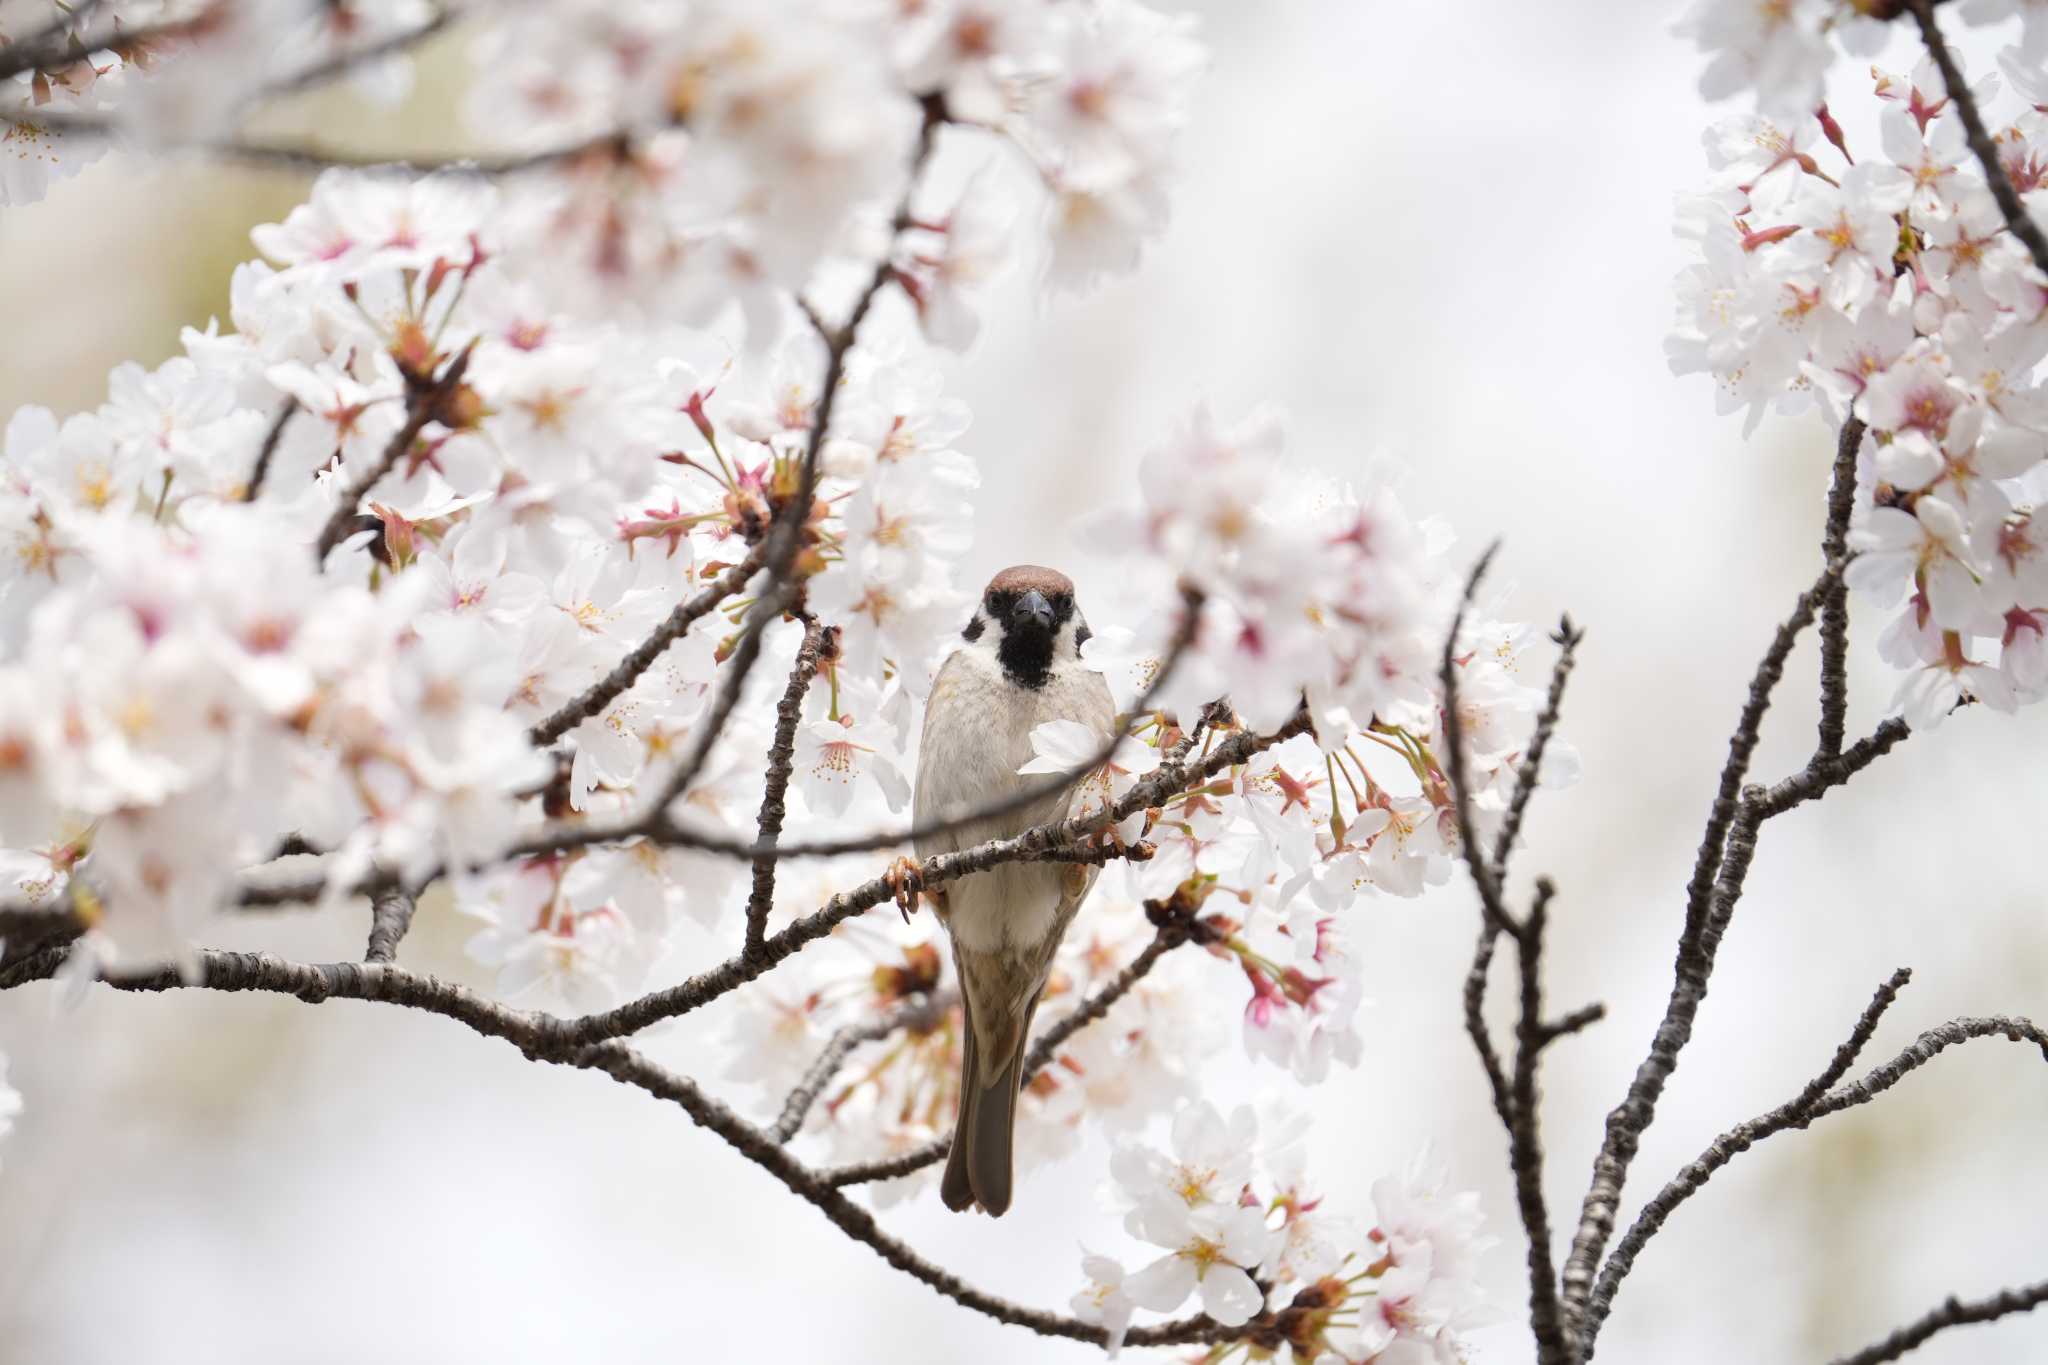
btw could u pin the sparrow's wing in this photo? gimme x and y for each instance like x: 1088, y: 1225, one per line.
x: 1098, y: 713
x: 939, y: 708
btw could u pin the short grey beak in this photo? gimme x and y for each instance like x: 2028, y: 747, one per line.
x: 1032, y: 608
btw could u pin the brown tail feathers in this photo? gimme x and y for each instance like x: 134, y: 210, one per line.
x: 978, y: 1167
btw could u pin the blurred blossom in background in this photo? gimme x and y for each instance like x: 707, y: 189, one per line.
x: 1439, y: 239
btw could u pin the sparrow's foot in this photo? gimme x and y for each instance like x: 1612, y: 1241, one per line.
x: 906, y: 880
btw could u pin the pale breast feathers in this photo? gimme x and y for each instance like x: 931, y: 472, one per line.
x: 977, y: 733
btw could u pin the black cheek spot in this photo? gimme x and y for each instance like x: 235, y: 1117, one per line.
x: 974, y: 629
x: 1083, y: 636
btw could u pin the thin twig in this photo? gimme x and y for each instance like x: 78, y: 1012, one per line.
x: 423, y: 400
x: 1475, y: 1022
x: 781, y: 754
x: 1056, y: 840
x: 1525, y: 1141
x: 821, y: 1071
x: 705, y: 736
x: 1823, y: 775
x: 344, y: 62
x: 1567, y: 639
x: 1515, y: 1101
x: 605, y: 690
x: 786, y: 534
x: 1953, y: 1312
x: 1490, y: 901
x: 1794, y: 1113
x: 1026, y: 794
x: 1583, y: 1017
x: 1924, y: 1049
x: 1834, y: 610
x: 285, y: 412
x: 2009, y: 203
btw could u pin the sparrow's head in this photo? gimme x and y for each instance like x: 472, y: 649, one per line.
x: 1027, y: 614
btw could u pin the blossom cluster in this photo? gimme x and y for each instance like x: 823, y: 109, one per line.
x: 169, y: 72
x: 687, y: 157
x: 1780, y: 51
x: 1889, y: 291
x: 1238, y: 1233
x: 349, y: 575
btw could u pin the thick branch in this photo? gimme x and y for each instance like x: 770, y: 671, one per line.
x: 1794, y: 1113
x: 23, y: 926
x: 1834, y: 610
x: 2009, y: 203
x: 390, y: 917
x: 781, y: 751
x: 533, y: 1034
x: 628, y: 670
x: 1953, y: 1312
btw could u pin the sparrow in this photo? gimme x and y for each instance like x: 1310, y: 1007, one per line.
x: 1018, y: 668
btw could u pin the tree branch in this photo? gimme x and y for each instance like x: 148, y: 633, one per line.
x: 1834, y: 611
x: 785, y: 535
x: 1514, y: 1101
x: 1567, y: 639
x: 1794, y: 1113
x: 308, y: 160
x: 538, y: 1036
x: 1953, y: 1312
x: 809, y: 655
x: 2009, y: 203
x: 390, y: 917
x: 1483, y: 877
x: 1475, y: 1023
x: 652, y: 823
x: 1525, y: 1143
x: 674, y: 626
x: 285, y: 412
x: 424, y: 396
x: 919, y: 1014
x: 1716, y: 885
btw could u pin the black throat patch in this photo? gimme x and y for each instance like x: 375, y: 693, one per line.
x: 1026, y: 657
x: 1025, y: 651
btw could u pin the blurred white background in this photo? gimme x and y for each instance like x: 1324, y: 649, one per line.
x: 1438, y: 234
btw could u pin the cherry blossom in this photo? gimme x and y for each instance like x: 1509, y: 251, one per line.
x: 1892, y: 289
